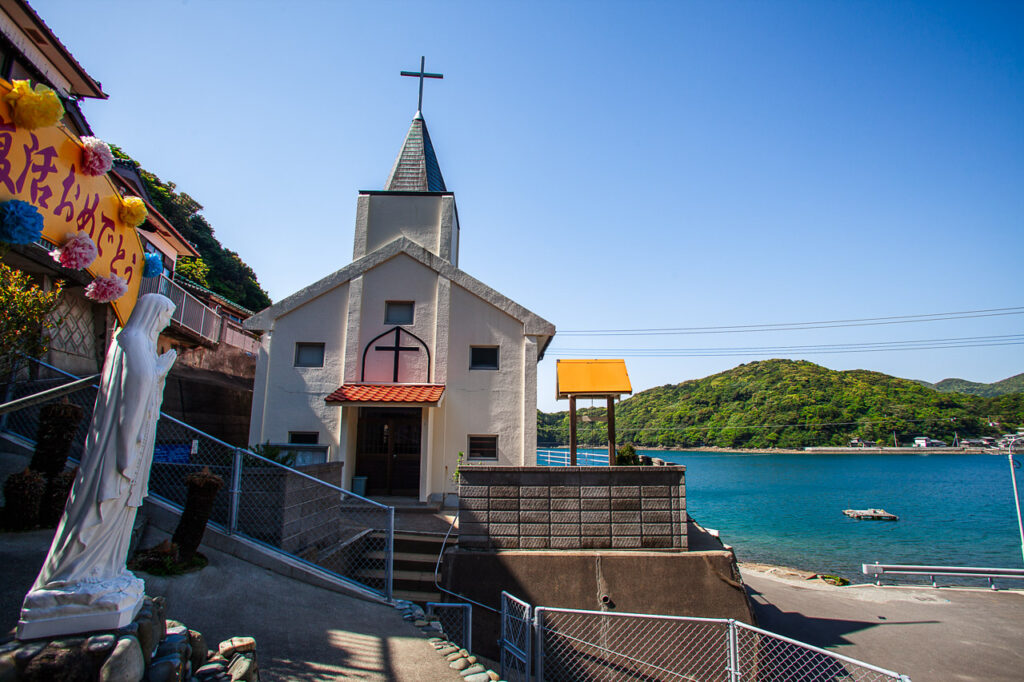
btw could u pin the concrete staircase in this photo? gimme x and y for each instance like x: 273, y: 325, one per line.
x: 416, y: 555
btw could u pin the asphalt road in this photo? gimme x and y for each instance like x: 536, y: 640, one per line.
x: 928, y: 634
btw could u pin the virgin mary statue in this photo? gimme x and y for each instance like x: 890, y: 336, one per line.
x: 84, y: 585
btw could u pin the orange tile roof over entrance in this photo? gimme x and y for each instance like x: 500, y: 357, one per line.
x: 592, y: 378
x: 407, y: 394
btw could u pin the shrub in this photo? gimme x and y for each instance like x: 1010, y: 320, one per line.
x: 23, y: 493
x: 58, y: 424
x: 626, y: 456
x: 56, y: 497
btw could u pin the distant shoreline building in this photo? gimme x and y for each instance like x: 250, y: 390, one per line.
x: 400, y: 361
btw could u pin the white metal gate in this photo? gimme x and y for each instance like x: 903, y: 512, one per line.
x: 516, y: 636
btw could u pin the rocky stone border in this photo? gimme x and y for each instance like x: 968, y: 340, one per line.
x: 149, y: 648
x: 459, y: 659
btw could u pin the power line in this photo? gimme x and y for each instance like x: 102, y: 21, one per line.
x: 797, y: 326
x: 726, y: 351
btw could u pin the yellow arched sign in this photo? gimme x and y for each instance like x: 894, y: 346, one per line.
x: 43, y: 167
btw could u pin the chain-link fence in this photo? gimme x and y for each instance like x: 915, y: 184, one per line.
x: 572, y: 645
x: 595, y: 645
x: 303, y: 512
x: 516, y: 638
x: 456, y: 622
x: 762, y: 655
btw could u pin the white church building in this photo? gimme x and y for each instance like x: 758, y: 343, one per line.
x: 400, y: 360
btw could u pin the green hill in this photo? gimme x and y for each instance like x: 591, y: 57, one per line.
x: 791, y: 404
x: 228, y: 274
x: 1014, y: 384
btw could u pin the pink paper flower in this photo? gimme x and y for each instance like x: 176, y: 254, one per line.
x: 96, y: 156
x: 106, y: 289
x: 78, y: 251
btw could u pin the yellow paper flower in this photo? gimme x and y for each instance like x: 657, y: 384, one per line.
x: 133, y: 211
x: 32, y: 108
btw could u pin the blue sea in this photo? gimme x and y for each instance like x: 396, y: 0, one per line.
x: 955, y: 510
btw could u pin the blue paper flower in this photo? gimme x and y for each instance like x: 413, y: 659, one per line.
x: 154, y: 265
x: 20, y: 222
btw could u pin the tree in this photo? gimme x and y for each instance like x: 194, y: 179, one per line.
x: 26, y: 315
x: 193, y: 269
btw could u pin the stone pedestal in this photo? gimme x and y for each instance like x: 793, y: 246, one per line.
x: 81, y: 607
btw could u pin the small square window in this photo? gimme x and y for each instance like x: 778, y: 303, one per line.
x: 483, y: 447
x: 309, y: 355
x: 483, y: 357
x: 303, y: 437
x: 398, y: 312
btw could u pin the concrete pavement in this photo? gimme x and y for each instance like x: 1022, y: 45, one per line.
x: 943, y: 634
x: 303, y: 633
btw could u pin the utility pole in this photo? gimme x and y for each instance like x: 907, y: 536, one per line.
x: 1016, y: 495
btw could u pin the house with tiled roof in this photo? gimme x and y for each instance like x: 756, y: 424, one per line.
x: 400, y: 361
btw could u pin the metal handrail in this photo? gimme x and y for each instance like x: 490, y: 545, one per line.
x: 164, y: 415
x: 44, y: 396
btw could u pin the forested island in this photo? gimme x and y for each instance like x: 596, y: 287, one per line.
x: 797, y: 404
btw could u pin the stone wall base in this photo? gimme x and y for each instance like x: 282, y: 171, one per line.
x: 702, y: 584
x: 150, y: 648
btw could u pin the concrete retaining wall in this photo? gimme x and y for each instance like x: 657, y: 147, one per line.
x: 703, y: 584
x: 605, y: 507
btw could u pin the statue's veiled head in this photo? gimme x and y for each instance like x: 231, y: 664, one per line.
x: 151, y: 315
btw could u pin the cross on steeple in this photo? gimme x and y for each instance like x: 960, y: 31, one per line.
x: 421, y: 74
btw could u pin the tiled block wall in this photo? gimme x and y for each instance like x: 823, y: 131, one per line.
x: 606, y: 507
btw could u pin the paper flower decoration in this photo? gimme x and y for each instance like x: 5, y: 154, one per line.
x: 96, y: 156
x: 154, y: 265
x: 78, y: 251
x: 32, y: 108
x: 20, y: 222
x: 133, y: 211
x: 106, y: 289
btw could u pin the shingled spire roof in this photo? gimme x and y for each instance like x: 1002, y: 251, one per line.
x: 416, y: 168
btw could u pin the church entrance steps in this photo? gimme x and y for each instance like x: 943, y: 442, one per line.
x: 415, y: 558
x: 417, y: 596
x: 415, y: 576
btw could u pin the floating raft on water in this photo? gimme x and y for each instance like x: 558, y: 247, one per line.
x: 871, y: 514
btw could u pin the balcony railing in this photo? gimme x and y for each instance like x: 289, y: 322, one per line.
x: 233, y: 335
x: 189, y: 311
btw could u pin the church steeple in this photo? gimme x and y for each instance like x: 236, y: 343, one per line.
x: 416, y: 168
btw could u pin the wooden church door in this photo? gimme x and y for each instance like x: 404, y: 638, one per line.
x: 388, y: 450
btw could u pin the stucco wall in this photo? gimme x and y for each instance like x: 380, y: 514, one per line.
x: 480, y: 402
x: 399, y: 279
x: 290, y: 398
x: 390, y: 217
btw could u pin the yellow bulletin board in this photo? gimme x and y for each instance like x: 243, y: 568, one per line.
x: 42, y: 167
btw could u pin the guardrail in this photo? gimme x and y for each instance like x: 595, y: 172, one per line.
x: 878, y: 570
x: 560, y: 458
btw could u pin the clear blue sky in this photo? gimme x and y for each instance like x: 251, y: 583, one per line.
x: 616, y: 165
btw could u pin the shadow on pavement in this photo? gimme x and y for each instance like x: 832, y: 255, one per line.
x: 819, y: 632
